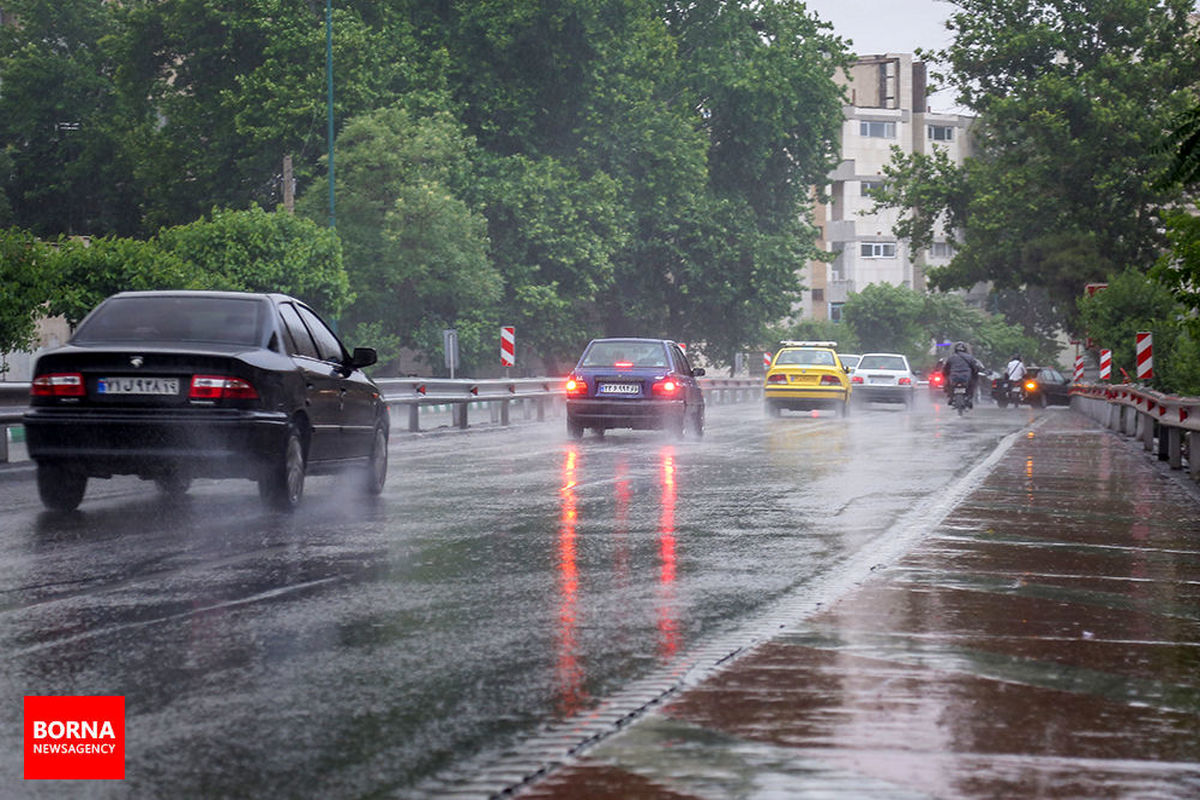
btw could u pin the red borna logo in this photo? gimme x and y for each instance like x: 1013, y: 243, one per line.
x: 75, y: 737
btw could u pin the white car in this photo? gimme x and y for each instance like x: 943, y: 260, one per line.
x: 883, y: 378
x: 849, y: 360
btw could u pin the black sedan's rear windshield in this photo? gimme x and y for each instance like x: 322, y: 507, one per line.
x: 216, y: 320
x: 632, y: 354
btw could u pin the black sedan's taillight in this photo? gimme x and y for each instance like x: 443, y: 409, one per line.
x: 220, y: 387
x: 58, y: 384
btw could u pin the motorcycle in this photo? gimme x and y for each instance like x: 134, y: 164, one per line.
x: 959, y: 397
x: 1010, y: 392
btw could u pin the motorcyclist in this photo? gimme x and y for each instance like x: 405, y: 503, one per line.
x: 962, y: 367
x: 1015, y: 370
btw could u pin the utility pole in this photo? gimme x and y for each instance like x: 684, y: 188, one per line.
x: 289, y: 185
x: 329, y: 102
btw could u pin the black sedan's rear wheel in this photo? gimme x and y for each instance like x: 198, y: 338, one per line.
x: 377, y: 464
x: 61, y: 489
x: 283, y: 485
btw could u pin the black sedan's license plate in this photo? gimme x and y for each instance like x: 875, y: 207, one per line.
x: 138, y: 385
x: 618, y: 388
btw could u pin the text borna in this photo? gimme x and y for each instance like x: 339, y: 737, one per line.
x: 73, y: 729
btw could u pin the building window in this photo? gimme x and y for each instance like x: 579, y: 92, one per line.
x: 877, y: 249
x: 870, y: 187
x: 837, y: 268
x: 941, y: 133
x: 818, y: 295
x: 835, y: 312
x: 942, y: 250
x: 877, y: 130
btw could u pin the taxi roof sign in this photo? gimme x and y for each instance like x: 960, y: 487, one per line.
x: 796, y: 343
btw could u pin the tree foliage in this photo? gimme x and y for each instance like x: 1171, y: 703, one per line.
x: 573, y: 167
x: 1066, y: 179
x: 24, y: 275
x: 886, y: 318
x: 87, y: 271
x: 249, y: 250
x: 1178, y: 269
x: 1132, y: 303
x: 260, y: 251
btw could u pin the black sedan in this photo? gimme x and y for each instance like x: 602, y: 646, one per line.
x: 176, y: 385
x: 1041, y: 387
x: 1046, y: 386
x: 634, y: 383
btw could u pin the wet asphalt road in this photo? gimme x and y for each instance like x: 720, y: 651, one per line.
x: 506, y: 580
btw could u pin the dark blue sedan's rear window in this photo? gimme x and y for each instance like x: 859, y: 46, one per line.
x: 217, y: 320
x: 625, y: 353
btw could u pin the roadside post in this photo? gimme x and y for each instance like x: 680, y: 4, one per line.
x: 1145, y: 355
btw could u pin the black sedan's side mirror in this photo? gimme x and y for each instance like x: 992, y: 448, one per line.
x: 363, y: 357
x: 697, y: 372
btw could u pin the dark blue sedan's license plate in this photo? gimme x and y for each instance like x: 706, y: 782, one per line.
x: 618, y: 388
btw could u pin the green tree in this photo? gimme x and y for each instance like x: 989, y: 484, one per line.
x: 898, y: 319
x: 1071, y: 99
x: 1183, y: 144
x: 1132, y: 303
x: 553, y: 235
x: 24, y: 275
x: 416, y: 251
x: 262, y: 251
x: 889, y: 319
x: 220, y: 92
x: 744, y: 116
x: 1178, y: 269
x: 61, y: 121
x: 86, y: 271
x: 813, y: 330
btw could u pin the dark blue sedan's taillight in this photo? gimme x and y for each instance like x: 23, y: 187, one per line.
x: 667, y: 387
x: 576, y: 386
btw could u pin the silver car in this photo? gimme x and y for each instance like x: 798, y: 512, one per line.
x: 883, y: 378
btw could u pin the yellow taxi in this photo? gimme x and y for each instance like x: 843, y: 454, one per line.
x: 807, y: 375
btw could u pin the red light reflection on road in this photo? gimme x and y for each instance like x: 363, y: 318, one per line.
x: 668, y: 620
x: 622, y: 496
x: 568, y: 672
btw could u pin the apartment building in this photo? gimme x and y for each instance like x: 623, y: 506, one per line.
x: 888, y: 107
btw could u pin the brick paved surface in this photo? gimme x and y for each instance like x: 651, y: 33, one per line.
x: 1043, y: 641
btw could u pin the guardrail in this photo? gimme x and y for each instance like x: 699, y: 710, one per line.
x: 535, y: 396
x: 1162, y: 422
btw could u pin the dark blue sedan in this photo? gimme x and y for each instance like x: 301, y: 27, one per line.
x: 644, y: 384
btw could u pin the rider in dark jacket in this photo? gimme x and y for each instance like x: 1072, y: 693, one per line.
x: 961, y: 366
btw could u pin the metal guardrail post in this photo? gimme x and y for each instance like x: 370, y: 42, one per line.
x: 1194, y: 453
x: 1174, y: 439
x: 1147, y: 431
x: 4, y: 444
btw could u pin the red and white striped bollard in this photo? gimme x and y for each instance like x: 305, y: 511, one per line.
x: 508, y: 346
x: 1145, y: 355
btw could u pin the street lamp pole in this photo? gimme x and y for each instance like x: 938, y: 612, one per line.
x: 329, y: 101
